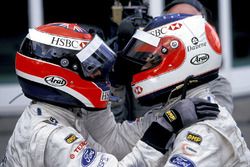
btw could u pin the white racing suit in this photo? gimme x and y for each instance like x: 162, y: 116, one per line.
x: 46, y: 135
x: 127, y: 107
x: 215, y: 143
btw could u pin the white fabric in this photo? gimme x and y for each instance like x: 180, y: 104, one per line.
x: 39, y: 139
x: 222, y: 142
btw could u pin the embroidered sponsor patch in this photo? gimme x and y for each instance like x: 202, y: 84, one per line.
x: 78, y: 149
x: 194, y: 138
x: 188, y: 150
x: 181, y: 161
x: 51, y: 121
x: 70, y: 138
x: 88, y: 156
x: 104, y: 159
x: 170, y: 115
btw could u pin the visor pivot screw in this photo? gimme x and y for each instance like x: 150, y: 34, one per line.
x: 64, y: 62
x: 174, y: 44
x: 164, y: 50
x: 74, y: 67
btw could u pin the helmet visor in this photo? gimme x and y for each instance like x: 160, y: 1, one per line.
x: 96, y: 59
x: 143, y: 51
x: 93, y: 62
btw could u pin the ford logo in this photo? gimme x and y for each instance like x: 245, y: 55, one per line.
x: 55, y: 81
x: 181, y: 161
x: 199, y: 59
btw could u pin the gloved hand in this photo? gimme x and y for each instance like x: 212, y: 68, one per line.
x: 184, y: 113
x: 189, y: 111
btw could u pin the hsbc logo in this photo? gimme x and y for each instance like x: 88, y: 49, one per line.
x: 55, y: 81
x: 159, y: 31
x: 68, y: 43
x: 175, y: 26
x: 138, y: 90
x: 163, y: 30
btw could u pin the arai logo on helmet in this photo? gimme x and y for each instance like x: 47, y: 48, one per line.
x: 55, y: 81
x: 199, y: 59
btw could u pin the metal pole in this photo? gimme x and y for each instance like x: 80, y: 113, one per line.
x: 225, y: 28
x: 35, y: 13
x: 155, y: 7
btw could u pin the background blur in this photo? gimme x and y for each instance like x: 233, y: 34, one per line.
x: 228, y: 16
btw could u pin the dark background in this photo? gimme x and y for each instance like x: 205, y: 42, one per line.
x: 14, y: 25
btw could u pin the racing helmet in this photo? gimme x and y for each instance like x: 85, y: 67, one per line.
x: 168, y: 51
x: 63, y: 64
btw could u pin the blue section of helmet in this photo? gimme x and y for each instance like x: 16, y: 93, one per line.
x: 47, y: 94
x: 165, y: 19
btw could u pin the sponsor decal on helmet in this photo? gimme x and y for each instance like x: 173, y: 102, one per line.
x: 71, y: 138
x: 199, y: 59
x: 88, y: 156
x: 55, y: 81
x: 159, y: 31
x: 105, y: 95
x: 194, y: 138
x: 138, y: 90
x: 195, y: 40
x: 196, y: 46
x: 58, y: 41
x: 175, y: 26
x: 170, y: 115
x: 163, y: 30
x: 78, y: 149
x: 67, y: 43
x: 181, y: 161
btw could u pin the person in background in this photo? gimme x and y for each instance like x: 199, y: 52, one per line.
x: 175, y: 58
x: 64, y: 70
x: 127, y: 107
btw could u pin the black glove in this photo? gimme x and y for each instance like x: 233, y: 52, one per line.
x: 189, y: 111
x: 183, y: 114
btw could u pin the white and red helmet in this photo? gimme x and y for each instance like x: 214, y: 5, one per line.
x: 63, y: 64
x: 167, y: 51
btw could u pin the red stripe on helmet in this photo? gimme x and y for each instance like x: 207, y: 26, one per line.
x: 42, y: 69
x: 213, y: 38
x: 172, y: 60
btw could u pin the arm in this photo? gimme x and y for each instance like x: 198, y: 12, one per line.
x: 118, y: 139
x: 221, y: 89
x: 66, y: 147
x: 200, y: 146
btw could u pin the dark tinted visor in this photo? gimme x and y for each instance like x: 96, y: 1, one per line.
x: 96, y: 59
x: 93, y: 62
x: 143, y: 50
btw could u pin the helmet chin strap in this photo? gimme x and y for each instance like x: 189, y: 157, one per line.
x: 189, y: 80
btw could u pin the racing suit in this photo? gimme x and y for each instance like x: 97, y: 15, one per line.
x: 47, y: 135
x: 214, y: 143
x: 128, y: 108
